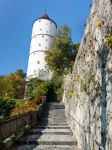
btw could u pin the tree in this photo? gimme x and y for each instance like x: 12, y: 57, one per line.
x: 75, y: 48
x: 58, y: 55
x: 13, y: 85
x: 20, y: 73
x: 55, y: 87
x: 3, y: 86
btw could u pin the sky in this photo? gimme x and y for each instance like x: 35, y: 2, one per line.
x: 16, y: 18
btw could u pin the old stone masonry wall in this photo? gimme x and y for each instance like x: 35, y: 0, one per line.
x: 88, y: 90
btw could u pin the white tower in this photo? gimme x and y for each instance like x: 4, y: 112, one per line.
x: 43, y: 30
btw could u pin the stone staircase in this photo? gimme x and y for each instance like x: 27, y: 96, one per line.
x: 50, y: 133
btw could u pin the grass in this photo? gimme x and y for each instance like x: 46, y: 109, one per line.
x: 19, y: 102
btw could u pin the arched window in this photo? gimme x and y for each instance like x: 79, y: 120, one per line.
x: 39, y: 44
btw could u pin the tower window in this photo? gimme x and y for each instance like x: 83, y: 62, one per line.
x: 39, y: 20
x: 51, y: 22
x: 38, y: 62
x: 40, y: 29
x: 46, y: 39
x: 34, y: 71
x: 42, y: 36
x: 39, y: 44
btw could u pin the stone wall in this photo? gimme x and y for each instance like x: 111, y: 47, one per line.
x: 88, y: 90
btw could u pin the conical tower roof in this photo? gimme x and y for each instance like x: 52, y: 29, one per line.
x: 45, y: 16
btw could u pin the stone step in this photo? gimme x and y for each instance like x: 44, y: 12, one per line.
x: 55, y: 109
x: 50, y: 131
x: 52, y: 124
x: 45, y: 147
x: 31, y: 142
x: 55, y: 112
x: 51, y: 127
x: 54, y: 119
x: 51, y: 116
x: 47, y: 139
x: 55, y: 105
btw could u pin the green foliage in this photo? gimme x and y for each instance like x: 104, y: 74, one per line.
x: 31, y: 85
x: 41, y: 89
x: 59, y: 53
x: 6, y: 107
x: 108, y: 38
x: 25, y: 106
x: 19, y: 102
x: 3, y: 86
x: 70, y: 91
x: 55, y: 87
x: 36, y: 88
x: 13, y: 85
x: 52, y: 89
x: 75, y: 48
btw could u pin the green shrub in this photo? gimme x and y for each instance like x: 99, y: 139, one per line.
x: 27, y: 106
x: 55, y: 87
x: 36, y: 88
x: 41, y: 89
x: 6, y: 106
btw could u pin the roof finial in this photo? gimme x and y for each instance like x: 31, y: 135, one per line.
x: 45, y: 10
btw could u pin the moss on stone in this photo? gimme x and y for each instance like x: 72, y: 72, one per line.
x: 70, y: 91
x: 108, y: 38
x: 99, y: 24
